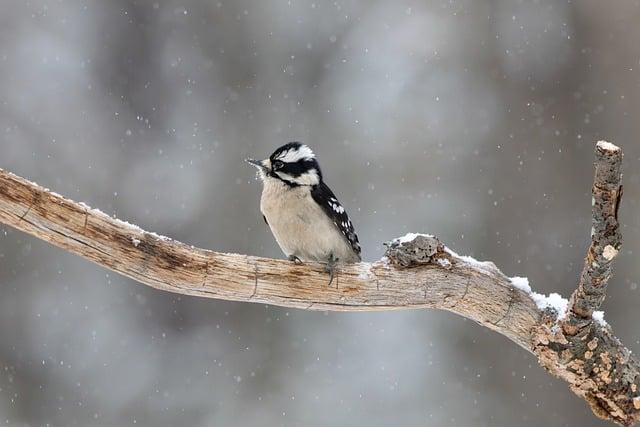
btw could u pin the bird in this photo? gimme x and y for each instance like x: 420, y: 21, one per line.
x: 304, y: 215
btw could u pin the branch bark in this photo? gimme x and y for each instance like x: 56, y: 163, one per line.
x: 606, y: 239
x: 418, y: 272
x: 575, y: 348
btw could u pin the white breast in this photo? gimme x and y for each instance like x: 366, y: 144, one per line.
x: 300, y: 226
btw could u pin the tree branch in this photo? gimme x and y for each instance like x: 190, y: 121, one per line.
x: 574, y: 347
x: 606, y: 239
x: 417, y: 272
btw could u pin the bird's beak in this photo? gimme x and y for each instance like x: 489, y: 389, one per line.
x: 260, y: 164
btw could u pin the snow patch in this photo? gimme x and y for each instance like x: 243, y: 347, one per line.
x: 598, y: 316
x: 471, y: 260
x: 365, y: 272
x: 605, y: 145
x: 553, y: 300
x: 54, y: 194
x: 409, y: 237
x: 125, y: 224
x: 158, y: 236
x: 521, y: 283
x: 486, y: 266
x: 120, y: 222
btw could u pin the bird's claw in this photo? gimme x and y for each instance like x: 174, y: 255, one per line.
x: 330, y: 268
x: 295, y: 260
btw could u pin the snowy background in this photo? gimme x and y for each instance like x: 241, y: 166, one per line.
x: 474, y: 120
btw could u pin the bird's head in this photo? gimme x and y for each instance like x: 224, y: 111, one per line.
x: 293, y: 163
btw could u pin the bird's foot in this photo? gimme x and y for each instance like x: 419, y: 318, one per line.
x: 331, y: 267
x: 295, y: 260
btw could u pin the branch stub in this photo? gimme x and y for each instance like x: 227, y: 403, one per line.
x: 413, y: 249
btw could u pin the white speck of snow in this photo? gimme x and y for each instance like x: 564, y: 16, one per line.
x: 598, y: 316
x: 604, y: 145
x: 609, y: 252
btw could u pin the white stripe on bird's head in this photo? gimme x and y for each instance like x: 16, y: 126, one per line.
x: 310, y: 177
x: 296, y: 154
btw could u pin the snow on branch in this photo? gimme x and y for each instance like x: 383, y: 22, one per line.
x: 570, y: 338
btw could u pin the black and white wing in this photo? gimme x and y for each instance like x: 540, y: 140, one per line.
x: 323, y: 196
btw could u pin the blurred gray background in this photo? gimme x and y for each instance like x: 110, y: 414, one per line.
x: 474, y: 120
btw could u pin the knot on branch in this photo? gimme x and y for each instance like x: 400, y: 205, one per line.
x: 416, y: 249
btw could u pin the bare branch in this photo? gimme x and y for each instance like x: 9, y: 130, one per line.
x: 418, y: 272
x: 576, y: 348
x: 606, y: 239
x: 169, y: 265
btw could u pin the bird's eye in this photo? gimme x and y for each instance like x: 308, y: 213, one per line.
x: 278, y: 164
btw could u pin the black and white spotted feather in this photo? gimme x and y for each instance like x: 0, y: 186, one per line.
x: 323, y: 196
